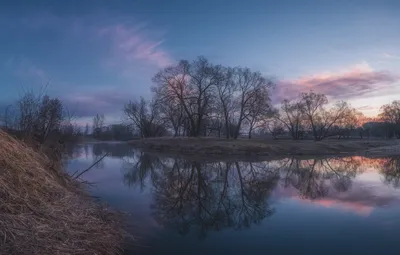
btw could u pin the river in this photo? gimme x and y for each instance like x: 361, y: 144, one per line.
x: 289, y: 206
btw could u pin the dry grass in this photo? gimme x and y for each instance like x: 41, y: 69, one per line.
x: 43, y: 211
x: 257, y: 147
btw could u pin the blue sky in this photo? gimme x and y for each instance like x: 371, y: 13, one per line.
x: 97, y: 55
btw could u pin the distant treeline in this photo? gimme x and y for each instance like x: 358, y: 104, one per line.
x: 199, y: 98
x: 202, y: 99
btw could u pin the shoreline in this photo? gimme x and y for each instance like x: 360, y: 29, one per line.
x: 215, y: 148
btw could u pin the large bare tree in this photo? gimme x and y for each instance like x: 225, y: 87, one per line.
x: 192, y: 85
x: 249, y: 84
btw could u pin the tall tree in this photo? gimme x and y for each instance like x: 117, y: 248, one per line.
x: 192, y: 85
x: 292, y: 117
x: 225, y: 103
x: 248, y: 84
x: 259, y: 110
x: 98, y: 125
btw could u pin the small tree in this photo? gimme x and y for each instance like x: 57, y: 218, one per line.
x: 145, y: 117
x: 86, y: 132
x: 98, y: 125
x: 292, y: 117
x: 275, y: 128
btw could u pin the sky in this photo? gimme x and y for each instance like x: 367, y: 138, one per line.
x: 97, y: 55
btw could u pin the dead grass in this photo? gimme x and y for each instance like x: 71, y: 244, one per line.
x: 43, y: 211
x: 257, y: 147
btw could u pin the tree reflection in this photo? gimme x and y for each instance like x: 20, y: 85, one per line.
x: 313, y: 178
x: 203, y: 197
x: 117, y: 150
x: 391, y: 171
x: 138, y: 167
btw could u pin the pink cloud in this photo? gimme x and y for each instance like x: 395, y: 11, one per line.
x: 132, y: 44
x: 351, y: 83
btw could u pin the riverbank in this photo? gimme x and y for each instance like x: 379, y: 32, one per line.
x: 262, y: 147
x: 44, y: 211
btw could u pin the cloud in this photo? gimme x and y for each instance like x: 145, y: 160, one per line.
x: 130, y: 45
x: 24, y: 68
x: 351, y: 83
x: 102, y: 101
x: 390, y: 56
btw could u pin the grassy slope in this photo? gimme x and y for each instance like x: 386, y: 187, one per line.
x: 258, y: 147
x: 44, y: 211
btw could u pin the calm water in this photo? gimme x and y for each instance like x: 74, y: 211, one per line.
x: 290, y: 206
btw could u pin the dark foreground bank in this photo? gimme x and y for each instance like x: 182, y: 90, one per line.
x: 44, y: 211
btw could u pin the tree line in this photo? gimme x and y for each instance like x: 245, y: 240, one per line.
x: 199, y: 98
x: 39, y: 118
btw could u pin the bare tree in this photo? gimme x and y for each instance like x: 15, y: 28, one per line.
x: 98, y: 125
x: 173, y: 114
x: 274, y: 126
x: 248, y: 83
x: 144, y: 116
x: 50, y: 118
x: 28, y: 112
x: 226, y: 89
x: 350, y: 122
x: 192, y: 85
x: 390, y: 113
x: 292, y: 117
x: 259, y: 110
x: 39, y: 117
x: 312, y: 107
x: 321, y: 120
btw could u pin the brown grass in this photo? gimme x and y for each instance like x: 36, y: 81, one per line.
x: 257, y: 147
x: 43, y: 211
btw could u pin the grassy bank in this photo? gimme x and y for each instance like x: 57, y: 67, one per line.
x: 44, y: 211
x: 258, y: 147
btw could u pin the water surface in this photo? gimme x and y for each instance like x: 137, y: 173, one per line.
x: 290, y: 206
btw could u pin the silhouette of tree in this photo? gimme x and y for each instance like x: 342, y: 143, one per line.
x: 205, y: 196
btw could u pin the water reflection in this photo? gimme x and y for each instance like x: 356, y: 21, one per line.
x: 200, y: 197
x: 313, y: 178
x: 204, y: 196
x: 213, y: 196
x: 391, y: 171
